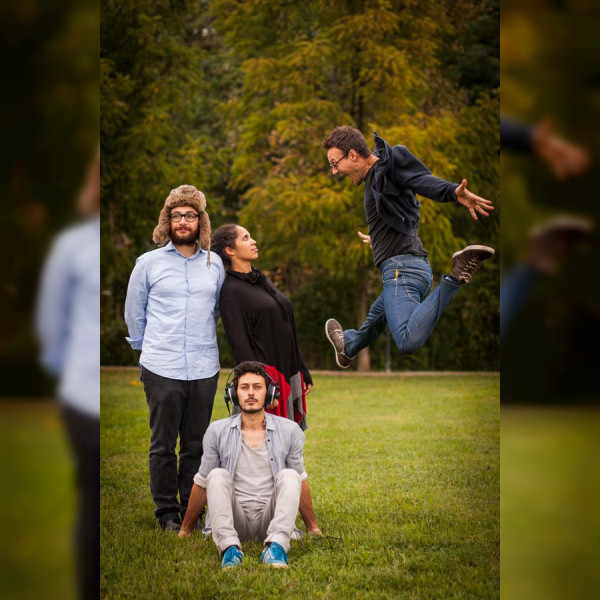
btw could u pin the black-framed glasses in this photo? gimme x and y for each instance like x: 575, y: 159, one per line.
x: 335, y: 163
x: 189, y: 217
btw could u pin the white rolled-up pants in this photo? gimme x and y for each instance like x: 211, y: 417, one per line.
x: 272, y: 522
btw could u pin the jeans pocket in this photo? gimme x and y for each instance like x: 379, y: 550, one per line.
x: 417, y: 281
x: 392, y: 274
x: 412, y: 292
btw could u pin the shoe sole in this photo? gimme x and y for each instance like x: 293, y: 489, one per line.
x: 565, y: 224
x: 277, y: 565
x: 334, y: 348
x: 475, y: 247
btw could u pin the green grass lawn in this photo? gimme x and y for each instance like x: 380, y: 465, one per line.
x: 404, y: 473
x: 37, y: 503
x: 550, y: 498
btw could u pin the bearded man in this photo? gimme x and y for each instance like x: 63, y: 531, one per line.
x: 171, y: 313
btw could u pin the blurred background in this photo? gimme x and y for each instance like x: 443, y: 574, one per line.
x: 235, y: 99
x: 550, y: 523
x: 549, y: 76
x: 49, y: 129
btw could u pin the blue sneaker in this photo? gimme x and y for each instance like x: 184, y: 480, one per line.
x: 232, y: 557
x: 274, y: 556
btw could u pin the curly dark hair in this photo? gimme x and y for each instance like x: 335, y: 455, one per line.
x: 224, y: 237
x: 250, y: 366
x: 347, y: 138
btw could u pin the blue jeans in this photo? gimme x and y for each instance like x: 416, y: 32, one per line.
x: 403, y: 305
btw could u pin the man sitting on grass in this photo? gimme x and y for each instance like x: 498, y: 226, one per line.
x: 251, y: 474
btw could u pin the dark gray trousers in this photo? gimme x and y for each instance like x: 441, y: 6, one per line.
x: 84, y: 435
x: 183, y: 409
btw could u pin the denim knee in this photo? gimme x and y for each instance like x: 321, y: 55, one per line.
x: 408, y: 346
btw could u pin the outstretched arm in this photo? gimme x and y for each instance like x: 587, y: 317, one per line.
x: 475, y: 204
x: 565, y: 159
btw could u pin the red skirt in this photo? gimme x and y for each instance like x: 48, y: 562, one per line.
x: 284, y: 393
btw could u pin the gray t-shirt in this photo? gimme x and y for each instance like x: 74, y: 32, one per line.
x: 253, y: 481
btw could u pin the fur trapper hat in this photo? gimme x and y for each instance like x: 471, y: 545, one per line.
x: 184, y: 195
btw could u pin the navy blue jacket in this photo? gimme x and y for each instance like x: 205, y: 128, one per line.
x: 515, y: 135
x: 398, y: 176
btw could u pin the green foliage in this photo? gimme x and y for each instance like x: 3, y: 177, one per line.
x: 240, y: 109
x: 405, y: 470
x: 37, y: 552
x: 156, y: 134
x: 304, y: 220
x: 469, y: 52
x: 550, y: 492
x: 49, y: 132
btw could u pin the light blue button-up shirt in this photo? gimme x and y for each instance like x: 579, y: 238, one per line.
x: 68, y: 315
x: 171, y: 311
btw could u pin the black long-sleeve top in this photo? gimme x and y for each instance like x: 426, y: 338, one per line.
x: 260, y: 325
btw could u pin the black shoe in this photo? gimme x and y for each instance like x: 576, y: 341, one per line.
x: 171, y: 525
x: 466, y: 262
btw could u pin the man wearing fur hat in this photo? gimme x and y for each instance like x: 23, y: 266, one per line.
x: 171, y: 313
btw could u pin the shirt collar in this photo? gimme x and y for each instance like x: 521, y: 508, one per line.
x: 270, y: 421
x: 170, y: 247
x: 236, y: 421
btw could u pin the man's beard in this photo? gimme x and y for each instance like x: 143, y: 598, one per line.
x: 185, y: 238
x: 251, y: 411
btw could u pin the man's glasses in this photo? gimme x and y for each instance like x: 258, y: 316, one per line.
x: 189, y: 217
x: 335, y: 163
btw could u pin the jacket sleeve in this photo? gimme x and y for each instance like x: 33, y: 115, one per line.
x: 408, y: 171
x: 515, y: 135
x: 237, y: 324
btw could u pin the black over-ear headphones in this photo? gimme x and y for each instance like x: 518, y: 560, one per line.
x: 231, y: 389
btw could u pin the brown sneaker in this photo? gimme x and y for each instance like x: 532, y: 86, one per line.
x: 335, y: 334
x: 467, y: 261
x: 552, y: 242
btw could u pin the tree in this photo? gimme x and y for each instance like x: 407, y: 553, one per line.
x: 300, y: 79
x: 158, y: 131
x: 236, y: 97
